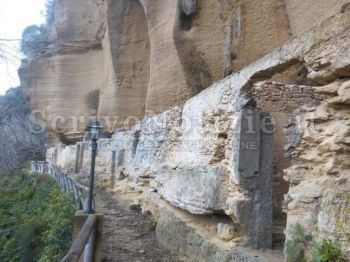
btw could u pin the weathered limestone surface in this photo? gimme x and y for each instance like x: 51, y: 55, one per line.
x: 281, y: 100
x: 318, y: 199
x: 205, y: 159
x: 200, y: 190
x: 58, y: 88
x: 193, y: 238
x: 157, y: 54
x: 76, y: 23
x: 153, y: 141
x: 60, y: 81
x: 149, y: 55
x: 305, y: 14
x: 214, y: 155
x: 126, y: 50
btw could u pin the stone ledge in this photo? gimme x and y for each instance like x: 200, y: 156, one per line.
x: 193, y: 236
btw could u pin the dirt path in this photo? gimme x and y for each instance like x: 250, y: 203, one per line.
x: 126, y: 235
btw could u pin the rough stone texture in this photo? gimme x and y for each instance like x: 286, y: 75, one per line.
x: 279, y: 97
x: 318, y: 197
x: 251, y: 169
x: 200, y: 159
x: 126, y: 49
x: 194, y: 238
x: 58, y: 89
x: 200, y: 190
x: 151, y: 49
x: 202, y: 143
x: 65, y: 157
x: 333, y: 219
x: 281, y: 100
x: 59, y: 82
x: 153, y: 142
x: 225, y: 232
x: 76, y: 22
x: 305, y: 14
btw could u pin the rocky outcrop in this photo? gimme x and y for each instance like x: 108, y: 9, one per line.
x: 136, y: 53
x: 59, y: 83
x: 318, y: 199
x: 306, y: 14
x: 212, y: 152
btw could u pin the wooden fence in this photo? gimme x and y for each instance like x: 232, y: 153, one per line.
x: 65, y: 181
x: 85, y: 241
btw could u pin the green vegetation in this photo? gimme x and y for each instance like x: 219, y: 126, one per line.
x: 35, y: 39
x: 298, y: 246
x: 327, y: 251
x: 152, y: 224
x: 295, y: 247
x: 35, y: 219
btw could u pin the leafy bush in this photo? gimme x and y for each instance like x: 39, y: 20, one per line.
x: 300, y: 246
x: 35, y: 219
x: 327, y: 251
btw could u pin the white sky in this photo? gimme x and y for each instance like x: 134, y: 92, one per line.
x: 16, y: 15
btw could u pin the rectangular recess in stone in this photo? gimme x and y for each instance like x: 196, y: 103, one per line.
x: 249, y: 143
x: 77, y: 155
x: 252, y: 170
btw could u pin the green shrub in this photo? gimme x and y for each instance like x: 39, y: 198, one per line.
x: 152, y: 224
x: 327, y: 251
x: 300, y: 245
x: 295, y: 247
x: 35, y: 219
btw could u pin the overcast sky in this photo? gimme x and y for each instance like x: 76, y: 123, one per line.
x: 15, y: 15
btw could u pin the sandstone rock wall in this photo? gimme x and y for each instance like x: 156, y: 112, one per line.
x: 189, y: 156
x: 303, y: 15
x: 59, y: 82
x: 202, y: 159
x: 58, y: 88
x: 208, y: 152
x: 126, y: 49
x: 318, y: 199
x: 149, y: 56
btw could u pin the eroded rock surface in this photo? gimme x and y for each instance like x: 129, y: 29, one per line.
x: 213, y: 155
x: 319, y: 195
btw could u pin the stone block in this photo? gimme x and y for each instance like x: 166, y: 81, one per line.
x: 199, y: 190
x: 225, y: 232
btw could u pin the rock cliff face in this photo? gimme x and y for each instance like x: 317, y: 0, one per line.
x: 237, y: 163
x: 144, y: 56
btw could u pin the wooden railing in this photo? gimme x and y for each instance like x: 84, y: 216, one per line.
x: 65, y: 181
x: 85, y: 240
